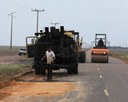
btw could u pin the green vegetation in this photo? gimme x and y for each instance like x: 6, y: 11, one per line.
x: 10, y: 70
x: 7, y: 71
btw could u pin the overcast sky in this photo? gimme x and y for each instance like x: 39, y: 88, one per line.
x: 85, y: 16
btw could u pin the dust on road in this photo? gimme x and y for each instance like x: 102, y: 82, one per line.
x: 20, y: 90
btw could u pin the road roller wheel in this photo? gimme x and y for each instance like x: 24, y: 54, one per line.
x: 92, y: 60
x: 107, y: 59
x: 99, y: 58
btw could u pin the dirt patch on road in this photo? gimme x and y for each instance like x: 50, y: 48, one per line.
x: 20, y: 90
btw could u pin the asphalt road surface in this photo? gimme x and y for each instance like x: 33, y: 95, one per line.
x: 96, y: 82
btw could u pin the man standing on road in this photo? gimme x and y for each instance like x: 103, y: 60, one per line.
x: 50, y: 57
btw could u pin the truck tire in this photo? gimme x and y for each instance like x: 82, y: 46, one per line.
x: 75, y: 69
x: 36, y: 66
x: 69, y: 70
x: 37, y: 71
x: 82, y: 57
x: 42, y: 71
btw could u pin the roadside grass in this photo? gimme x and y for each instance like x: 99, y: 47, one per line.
x: 10, y: 70
x: 120, y: 53
x: 7, y: 71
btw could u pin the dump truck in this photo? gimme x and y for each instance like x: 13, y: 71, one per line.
x: 65, y: 44
x: 100, y: 51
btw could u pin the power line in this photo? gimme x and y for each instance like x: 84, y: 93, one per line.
x: 21, y: 5
x: 10, y: 2
x: 13, y: 2
x: 12, y: 16
x: 28, y: 4
x: 3, y: 17
x: 50, y: 18
x: 37, y: 11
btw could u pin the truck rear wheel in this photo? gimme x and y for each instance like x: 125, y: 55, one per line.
x: 42, y: 71
x: 37, y: 71
x: 75, y: 68
x: 69, y: 70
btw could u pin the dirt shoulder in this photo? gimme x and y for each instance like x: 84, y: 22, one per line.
x: 11, y: 59
x: 20, y: 90
x: 120, y: 53
x: 122, y: 58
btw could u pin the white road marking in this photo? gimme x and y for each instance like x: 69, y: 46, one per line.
x: 106, y: 92
x: 98, y: 69
x: 101, y: 76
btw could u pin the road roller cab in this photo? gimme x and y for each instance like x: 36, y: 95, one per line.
x: 100, y: 51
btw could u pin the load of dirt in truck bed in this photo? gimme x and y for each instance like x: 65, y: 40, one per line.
x: 19, y: 90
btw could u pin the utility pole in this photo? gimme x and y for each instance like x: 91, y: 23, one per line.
x: 55, y: 24
x: 12, y: 15
x: 36, y: 10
